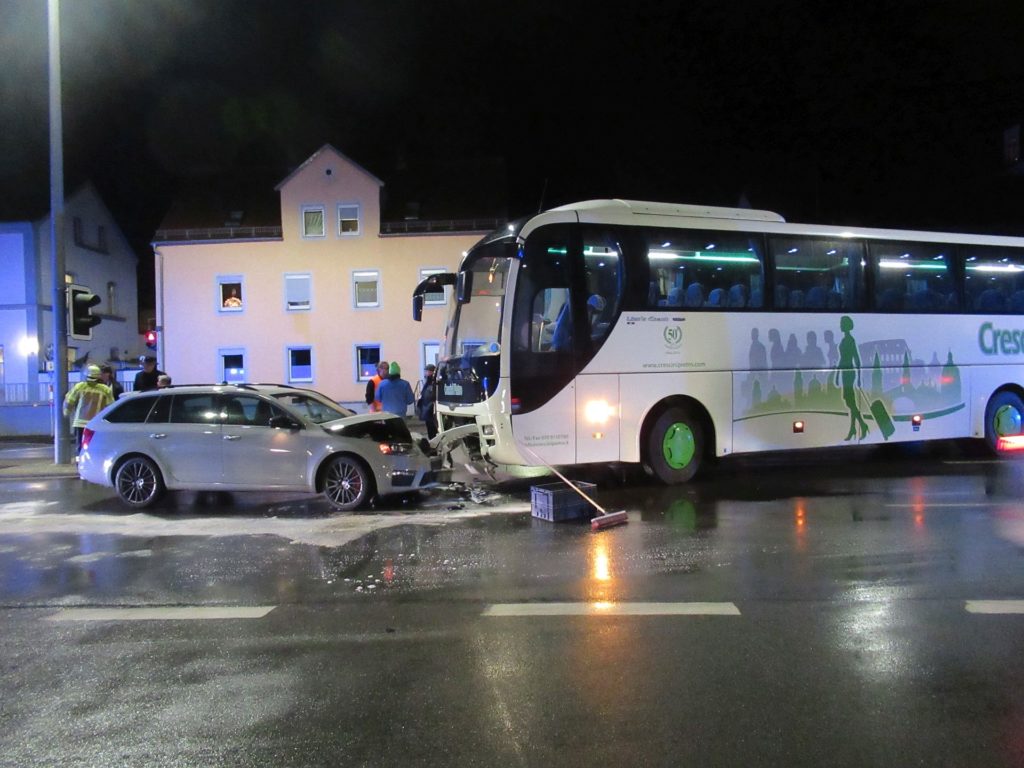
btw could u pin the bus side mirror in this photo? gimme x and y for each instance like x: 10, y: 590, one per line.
x: 464, y: 289
x: 417, y: 307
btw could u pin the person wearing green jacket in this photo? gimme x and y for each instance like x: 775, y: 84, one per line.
x: 87, y: 398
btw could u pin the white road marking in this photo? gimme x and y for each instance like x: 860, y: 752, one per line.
x: 995, y: 606
x: 933, y: 505
x: 178, y: 613
x: 612, y: 609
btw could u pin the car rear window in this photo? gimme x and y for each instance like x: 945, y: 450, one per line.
x: 131, y: 410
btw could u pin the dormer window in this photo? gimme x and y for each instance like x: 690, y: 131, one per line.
x: 313, y: 221
x: 348, y: 220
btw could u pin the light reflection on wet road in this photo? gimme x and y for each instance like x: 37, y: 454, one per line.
x: 850, y: 643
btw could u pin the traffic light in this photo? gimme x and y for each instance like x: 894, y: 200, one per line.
x: 81, y: 319
x: 151, y: 339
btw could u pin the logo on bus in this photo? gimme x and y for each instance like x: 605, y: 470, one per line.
x: 673, y: 336
x: 997, y: 341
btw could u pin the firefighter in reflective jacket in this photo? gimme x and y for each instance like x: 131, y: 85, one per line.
x: 88, y: 398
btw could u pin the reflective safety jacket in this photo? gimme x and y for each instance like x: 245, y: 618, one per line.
x: 87, y: 398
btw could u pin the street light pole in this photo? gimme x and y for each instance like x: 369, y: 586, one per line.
x: 61, y: 433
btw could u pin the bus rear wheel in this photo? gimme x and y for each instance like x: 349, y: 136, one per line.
x: 675, y: 446
x: 1004, y: 417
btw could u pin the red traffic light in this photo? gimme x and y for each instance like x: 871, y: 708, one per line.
x: 151, y: 339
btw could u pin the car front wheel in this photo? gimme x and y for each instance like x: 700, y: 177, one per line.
x: 347, y: 483
x: 138, y: 482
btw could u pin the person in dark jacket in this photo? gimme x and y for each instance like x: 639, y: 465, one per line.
x: 146, y: 379
x: 425, y: 406
x: 107, y: 377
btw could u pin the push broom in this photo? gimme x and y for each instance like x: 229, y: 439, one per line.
x: 604, y: 520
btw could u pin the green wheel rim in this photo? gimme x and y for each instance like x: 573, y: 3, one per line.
x: 1007, y: 421
x: 678, y: 446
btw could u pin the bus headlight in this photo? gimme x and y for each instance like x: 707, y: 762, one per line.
x: 598, y: 411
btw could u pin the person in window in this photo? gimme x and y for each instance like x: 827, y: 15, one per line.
x: 146, y: 379
x: 394, y: 392
x: 108, y: 378
x: 371, y: 386
x: 232, y: 301
x: 87, y: 398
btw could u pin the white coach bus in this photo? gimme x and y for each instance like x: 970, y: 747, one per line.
x: 620, y: 331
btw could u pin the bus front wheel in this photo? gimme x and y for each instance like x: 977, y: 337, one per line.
x: 1004, y: 417
x: 675, y: 446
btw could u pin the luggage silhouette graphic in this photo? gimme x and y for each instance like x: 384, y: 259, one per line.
x: 880, y: 415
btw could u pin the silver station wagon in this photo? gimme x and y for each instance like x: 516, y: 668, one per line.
x: 249, y: 437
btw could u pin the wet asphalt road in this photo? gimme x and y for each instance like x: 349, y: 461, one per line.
x: 838, y: 634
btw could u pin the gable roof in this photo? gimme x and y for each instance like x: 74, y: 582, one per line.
x: 315, y: 155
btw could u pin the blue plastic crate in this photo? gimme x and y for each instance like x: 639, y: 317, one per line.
x: 557, y: 501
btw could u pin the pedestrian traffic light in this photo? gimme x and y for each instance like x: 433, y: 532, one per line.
x: 151, y: 339
x: 81, y: 320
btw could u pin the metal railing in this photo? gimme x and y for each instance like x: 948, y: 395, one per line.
x: 441, y: 226
x: 217, y: 233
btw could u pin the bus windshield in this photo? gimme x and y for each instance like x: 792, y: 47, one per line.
x: 476, y: 325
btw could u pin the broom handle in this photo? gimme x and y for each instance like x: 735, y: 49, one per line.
x: 565, y: 480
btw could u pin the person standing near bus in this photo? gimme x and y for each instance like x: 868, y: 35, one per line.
x: 849, y: 369
x: 373, y: 384
x: 425, y: 406
x: 394, y: 392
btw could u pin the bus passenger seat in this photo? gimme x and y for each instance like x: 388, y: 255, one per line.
x: 796, y: 299
x: 738, y: 296
x: 781, y: 296
x: 815, y: 298
x: 652, y: 295
x: 990, y: 300
x: 1017, y: 303
x: 890, y: 300
x: 694, y: 295
x: 674, y: 298
x: 716, y: 297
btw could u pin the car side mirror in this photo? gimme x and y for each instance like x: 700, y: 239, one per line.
x: 284, y: 422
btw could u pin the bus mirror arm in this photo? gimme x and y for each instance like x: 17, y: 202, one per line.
x: 417, y: 307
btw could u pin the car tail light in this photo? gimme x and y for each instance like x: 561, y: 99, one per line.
x: 389, y: 449
x: 87, y: 436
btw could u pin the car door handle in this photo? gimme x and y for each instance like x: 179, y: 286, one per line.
x: 232, y: 437
x: 158, y: 436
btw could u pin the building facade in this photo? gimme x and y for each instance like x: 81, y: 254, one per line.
x: 97, y: 257
x: 316, y: 301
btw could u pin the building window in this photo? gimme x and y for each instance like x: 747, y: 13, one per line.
x: 300, y: 364
x: 101, y: 239
x: 313, y: 221
x: 367, y: 357
x: 366, y: 288
x: 298, y: 292
x: 112, y: 298
x: 232, y: 365
x: 79, y: 232
x: 437, y: 298
x: 348, y: 220
x: 230, y: 297
x: 429, y: 352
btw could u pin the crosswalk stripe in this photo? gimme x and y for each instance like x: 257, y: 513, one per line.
x: 176, y: 613
x: 612, y: 609
x: 995, y: 606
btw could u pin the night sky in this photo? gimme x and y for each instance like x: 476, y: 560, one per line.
x: 885, y: 114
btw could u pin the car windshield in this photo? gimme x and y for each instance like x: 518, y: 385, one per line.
x: 316, y: 408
